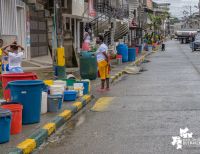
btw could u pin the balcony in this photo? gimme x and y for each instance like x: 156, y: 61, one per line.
x: 118, y: 12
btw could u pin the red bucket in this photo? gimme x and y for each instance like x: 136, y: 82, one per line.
x: 137, y: 51
x: 16, y: 122
x: 5, y: 78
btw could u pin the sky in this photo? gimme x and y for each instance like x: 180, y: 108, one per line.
x: 177, y: 6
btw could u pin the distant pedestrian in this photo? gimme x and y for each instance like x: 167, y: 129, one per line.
x: 103, y: 62
x: 163, y: 45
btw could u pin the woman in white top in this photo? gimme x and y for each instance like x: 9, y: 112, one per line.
x: 103, y: 62
x: 15, y: 58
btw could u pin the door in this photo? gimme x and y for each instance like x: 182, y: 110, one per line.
x: 21, y: 28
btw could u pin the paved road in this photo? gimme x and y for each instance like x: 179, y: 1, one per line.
x: 141, y: 113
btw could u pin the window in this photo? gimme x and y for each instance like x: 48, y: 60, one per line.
x: 8, y: 17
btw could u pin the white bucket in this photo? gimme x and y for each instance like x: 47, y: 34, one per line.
x: 79, y: 88
x: 60, y: 82
x: 57, y: 89
x: 44, y: 103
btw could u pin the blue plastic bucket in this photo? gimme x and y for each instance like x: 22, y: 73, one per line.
x: 54, y: 103
x: 29, y: 94
x: 5, y: 124
x: 70, y: 95
x: 131, y: 54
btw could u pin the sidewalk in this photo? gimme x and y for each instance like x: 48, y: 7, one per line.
x: 30, y: 129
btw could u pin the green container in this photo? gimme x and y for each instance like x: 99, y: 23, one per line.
x: 60, y: 72
x: 88, y: 65
x: 69, y: 82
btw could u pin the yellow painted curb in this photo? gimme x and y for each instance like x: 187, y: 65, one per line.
x: 27, y: 146
x: 78, y: 105
x: 50, y: 127
x: 87, y: 98
x: 66, y: 114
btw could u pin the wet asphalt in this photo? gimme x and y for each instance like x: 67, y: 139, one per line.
x: 146, y: 111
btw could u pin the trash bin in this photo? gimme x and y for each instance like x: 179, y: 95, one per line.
x: 5, y: 78
x: 29, y: 94
x: 16, y: 122
x: 5, y: 123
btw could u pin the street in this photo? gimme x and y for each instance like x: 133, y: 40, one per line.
x: 142, y: 112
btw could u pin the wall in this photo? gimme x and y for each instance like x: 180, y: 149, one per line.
x: 78, y: 7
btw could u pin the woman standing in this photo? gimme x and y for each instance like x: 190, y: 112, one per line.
x: 103, y: 62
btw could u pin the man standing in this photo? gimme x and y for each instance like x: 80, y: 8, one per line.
x: 103, y: 62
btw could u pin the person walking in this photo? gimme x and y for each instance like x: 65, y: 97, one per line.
x: 103, y: 62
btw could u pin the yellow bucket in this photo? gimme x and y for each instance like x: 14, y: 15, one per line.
x: 48, y: 82
x: 61, y: 56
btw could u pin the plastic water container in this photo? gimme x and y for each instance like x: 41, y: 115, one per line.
x: 57, y: 89
x: 5, y: 78
x: 5, y: 123
x: 60, y: 82
x: 44, y: 103
x: 131, y: 54
x: 86, y: 86
x: 122, y: 49
x: 70, y: 95
x: 16, y: 122
x: 79, y: 88
x: 29, y: 94
x: 48, y: 82
x: 150, y: 48
x: 119, y: 59
x: 55, y: 103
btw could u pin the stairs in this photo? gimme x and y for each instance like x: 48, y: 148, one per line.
x: 121, y: 30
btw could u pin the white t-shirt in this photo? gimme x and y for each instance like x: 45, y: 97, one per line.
x: 100, y: 56
x: 15, y: 59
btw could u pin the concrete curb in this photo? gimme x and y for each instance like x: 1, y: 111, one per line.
x: 138, y: 61
x: 35, y: 140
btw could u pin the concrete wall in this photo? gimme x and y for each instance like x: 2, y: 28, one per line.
x: 78, y: 7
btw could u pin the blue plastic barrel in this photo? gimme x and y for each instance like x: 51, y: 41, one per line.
x: 131, y: 54
x: 29, y: 94
x: 5, y: 124
x: 122, y: 49
x: 54, y: 103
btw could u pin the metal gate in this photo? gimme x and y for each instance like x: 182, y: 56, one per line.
x: 38, y: 33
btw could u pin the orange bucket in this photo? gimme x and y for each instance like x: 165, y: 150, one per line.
x: 16, y: 122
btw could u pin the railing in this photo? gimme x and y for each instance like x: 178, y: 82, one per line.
x: 120, y: 12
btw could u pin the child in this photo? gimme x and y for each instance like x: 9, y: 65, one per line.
x: 15, y: 58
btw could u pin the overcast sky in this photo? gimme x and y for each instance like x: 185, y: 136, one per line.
x: 177, y: 6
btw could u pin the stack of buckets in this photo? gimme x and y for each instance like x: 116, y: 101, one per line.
x: 22, y: 110
x: 25, y: 111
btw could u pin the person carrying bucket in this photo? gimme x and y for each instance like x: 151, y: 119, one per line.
x: 103, y: 62
x: 15, y: 58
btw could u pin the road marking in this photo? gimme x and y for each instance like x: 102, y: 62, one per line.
x: 102, y: 104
